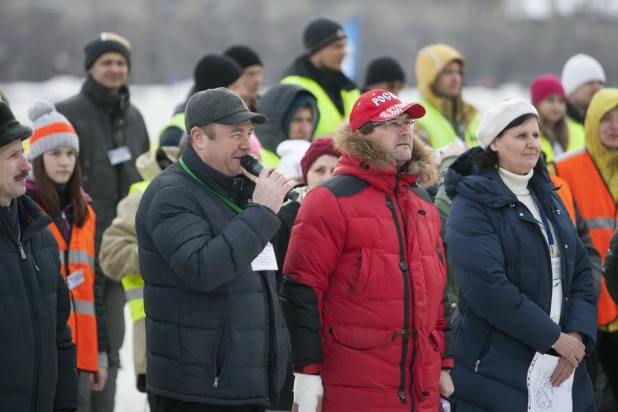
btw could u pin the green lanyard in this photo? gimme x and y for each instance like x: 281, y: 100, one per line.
x: 227, y: 202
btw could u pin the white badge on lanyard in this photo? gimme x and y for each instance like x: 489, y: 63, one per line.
x: 266, y: 260
x: 75, y: 279
x: 119, y: 155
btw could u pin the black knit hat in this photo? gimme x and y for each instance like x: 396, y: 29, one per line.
x: 104, y: 43
x: 384, y: 69
x: 214, y: 71
x: 244, y: 56
x: 11, y: 129
x: 320, y: 33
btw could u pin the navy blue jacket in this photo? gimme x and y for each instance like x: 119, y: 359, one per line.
x: 503, y: 265
x: 38, y: 361
x: 215, y: 332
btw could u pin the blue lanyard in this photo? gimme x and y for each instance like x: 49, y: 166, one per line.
x: 550, y: 236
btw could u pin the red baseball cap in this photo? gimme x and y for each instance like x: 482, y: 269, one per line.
x: 378, y: 106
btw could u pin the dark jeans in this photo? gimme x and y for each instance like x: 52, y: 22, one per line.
x: 165, y: 404
x: 605, y: 381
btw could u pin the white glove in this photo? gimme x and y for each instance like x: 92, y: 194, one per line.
x: 307, y: 388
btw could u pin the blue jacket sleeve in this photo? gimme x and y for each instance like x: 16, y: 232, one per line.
x: 185, y: 240
x: 582, y: 311
x: 476, y: 250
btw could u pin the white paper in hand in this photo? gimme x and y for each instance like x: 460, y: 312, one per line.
x: 266, y: 260
x: 542, y: 396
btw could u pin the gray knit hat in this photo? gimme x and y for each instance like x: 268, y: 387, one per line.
x: 51, y: 130
x: 218, y: 105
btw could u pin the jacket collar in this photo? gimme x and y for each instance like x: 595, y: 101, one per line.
x: 239, y: 189
x: 575, y: 114
x: 367, y: 160
x: 31, y: 219
x: 104, y: 98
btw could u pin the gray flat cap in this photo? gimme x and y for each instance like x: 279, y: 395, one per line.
x: 218, y: 105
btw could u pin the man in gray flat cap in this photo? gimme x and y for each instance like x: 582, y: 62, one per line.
x: 215, y: 334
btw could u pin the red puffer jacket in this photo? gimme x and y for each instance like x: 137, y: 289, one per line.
x: 364, y: 290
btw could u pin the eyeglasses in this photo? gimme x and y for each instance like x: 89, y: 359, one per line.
x: 396, y: 125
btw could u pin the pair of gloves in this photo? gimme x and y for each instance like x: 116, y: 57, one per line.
x: 307, y: 390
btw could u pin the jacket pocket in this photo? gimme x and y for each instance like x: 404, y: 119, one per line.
x: 363, y: 337
x: 221, y: 355
x: 434, y: 338
x: 370, y: 282
x: 484, y: 348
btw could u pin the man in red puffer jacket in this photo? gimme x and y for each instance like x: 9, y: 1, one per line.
x: 363, y: 295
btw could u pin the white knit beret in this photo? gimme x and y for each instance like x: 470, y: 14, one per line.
x: 499, y: 116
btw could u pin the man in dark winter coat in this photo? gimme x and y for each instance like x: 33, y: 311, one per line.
x: 38, y: 363
x: 318, y: 70
x: 216, y: 336
x: 112, y: 134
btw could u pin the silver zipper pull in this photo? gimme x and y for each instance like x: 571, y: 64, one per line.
x: 216, y: 383
x: 476, y: 368
x: 21, y: 249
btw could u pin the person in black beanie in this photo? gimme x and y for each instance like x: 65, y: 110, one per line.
x: 385, y: 73
x: 112, y: 134
x: 318, y: 70
x: 210, y: 72
x: 252, y: 68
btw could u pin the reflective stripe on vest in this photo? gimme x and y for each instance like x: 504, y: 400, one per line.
x: 177, y: 120
x: 576, y: 141
x: 330, y: 118
x: 134, y: 291
x: 133, y: 285
x: 269, y: 158
x: 440, y: 130
x: 598, y: 208
x: 82, y: 319
x: 82, y: 307
x: 78, y: 257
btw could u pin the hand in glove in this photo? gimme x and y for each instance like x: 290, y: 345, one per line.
x: 308, y: 393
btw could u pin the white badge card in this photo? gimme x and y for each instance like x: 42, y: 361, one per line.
x: 75, y: 279
x: 556, y: 293
x: 119, y: 155
x: 266, y: 260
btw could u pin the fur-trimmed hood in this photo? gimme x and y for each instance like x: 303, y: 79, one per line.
x: 422, y: 165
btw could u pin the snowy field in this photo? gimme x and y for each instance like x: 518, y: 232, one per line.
x: 157, y: 102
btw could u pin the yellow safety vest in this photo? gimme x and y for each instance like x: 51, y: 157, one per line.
x: 178, y: 120
x: 441, y: 131
x: 269, y: 158
x: 134, y: 284
x: 330, y: 118
x: 576, y: 140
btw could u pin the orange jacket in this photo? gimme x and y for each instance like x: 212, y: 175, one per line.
x: 599, y: 210
x: 565, y: 194
x: 77, y: 262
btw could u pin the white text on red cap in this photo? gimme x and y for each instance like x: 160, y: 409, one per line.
x: 383, y: 98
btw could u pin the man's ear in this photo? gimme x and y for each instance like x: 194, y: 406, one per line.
x: 197, y: 136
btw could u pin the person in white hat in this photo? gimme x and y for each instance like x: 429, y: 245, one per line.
x: 582, y: 77
x: 526, y: 289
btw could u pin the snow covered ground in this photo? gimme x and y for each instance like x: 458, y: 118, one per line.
x: 157, y: 103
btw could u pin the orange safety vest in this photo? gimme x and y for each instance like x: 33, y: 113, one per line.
x: 565, y: 194
x: 77, y: 263
x: 598, y: 209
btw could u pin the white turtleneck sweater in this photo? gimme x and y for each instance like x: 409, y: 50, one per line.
x: 518, y: 184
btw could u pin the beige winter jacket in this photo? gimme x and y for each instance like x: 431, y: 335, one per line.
x: 118, y: 255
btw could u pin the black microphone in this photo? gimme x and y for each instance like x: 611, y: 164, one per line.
x: 254, y: 166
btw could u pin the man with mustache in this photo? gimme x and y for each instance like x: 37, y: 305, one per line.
x: 112, y: 134
x: 363, y: 295
x: 38, y: 358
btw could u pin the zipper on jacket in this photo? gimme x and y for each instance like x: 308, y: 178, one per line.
x: 35, y: 323
x: 405, y: 332
x: 484, y: 348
